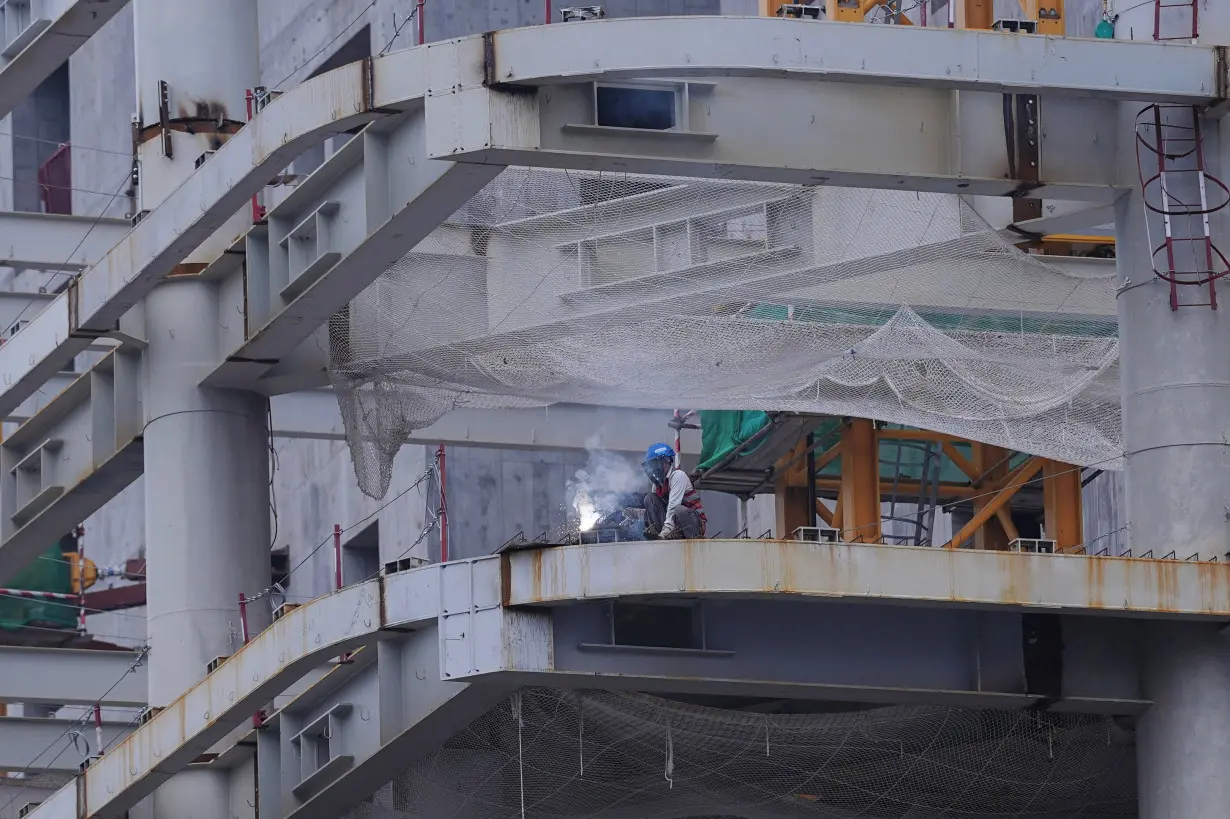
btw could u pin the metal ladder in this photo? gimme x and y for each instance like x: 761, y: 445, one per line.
x: 921, y: 522
x: 1191, y: 5
x: 1173, y: 141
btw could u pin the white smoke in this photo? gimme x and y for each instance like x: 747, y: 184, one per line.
x: 594, y: 490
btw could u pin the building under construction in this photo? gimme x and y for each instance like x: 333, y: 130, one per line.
x: 335, y: 333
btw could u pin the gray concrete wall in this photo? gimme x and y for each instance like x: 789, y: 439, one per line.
x: 103, y: 99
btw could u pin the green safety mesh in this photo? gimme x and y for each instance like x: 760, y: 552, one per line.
x: 724, y: 431
x: 50, y: 573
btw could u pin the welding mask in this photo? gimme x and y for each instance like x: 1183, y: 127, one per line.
x: 656, y: 469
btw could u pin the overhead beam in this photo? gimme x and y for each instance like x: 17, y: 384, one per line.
x: 1101, y: 217
x: 45, y: 241
x: 70, y: 676
x: 896, y: 55
x: 915, y: 139
x: 728, y: 47
x: 57, y: 29
x: 315, y: 415
x: 61, y: 744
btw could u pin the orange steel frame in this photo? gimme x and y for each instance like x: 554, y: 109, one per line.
x: 856, y: 511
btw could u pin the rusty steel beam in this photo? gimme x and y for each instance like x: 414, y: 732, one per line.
x: 889, y: 575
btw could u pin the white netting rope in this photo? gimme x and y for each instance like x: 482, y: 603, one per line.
x: 916, y: 762
x: 653, y: 292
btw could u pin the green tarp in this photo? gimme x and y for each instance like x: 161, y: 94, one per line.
x: 52, y: 574
x: 723, y: 431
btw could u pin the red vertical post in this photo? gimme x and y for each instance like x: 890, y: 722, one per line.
x: 548, y: 12
x: 258, y: 213
x: 422, y: 29
x: 443, y: 508
x: 243, y: 618
x: 337, y: 556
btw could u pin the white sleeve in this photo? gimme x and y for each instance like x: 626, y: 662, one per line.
x: 681, y: 485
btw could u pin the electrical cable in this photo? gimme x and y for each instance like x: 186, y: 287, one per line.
x: 74, y: 606
x: 126, y: 154
x: 278, y: 85
x: 75, y: 725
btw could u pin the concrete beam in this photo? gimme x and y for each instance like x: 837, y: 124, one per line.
x: 906, y: 56
x: 315, y: 416
x: 399, y: 211
x: 914, y: 139
x: 1137, y: 587
x: 56, y: 30
x: 61, y: 744
x: 67, y: 676
x: 43, y: 241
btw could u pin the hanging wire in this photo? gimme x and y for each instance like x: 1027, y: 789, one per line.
x: 76, y: 726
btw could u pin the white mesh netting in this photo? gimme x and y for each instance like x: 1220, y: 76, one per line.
x: 641, y: 291
x: 548, y: 754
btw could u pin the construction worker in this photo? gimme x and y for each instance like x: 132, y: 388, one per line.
x: 673, y: 508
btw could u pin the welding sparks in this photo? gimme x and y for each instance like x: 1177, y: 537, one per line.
x: 586, y: 512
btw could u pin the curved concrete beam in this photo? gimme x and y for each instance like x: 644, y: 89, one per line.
x: 884, y: 55
x: 291, y: 647
x: 875, y: 573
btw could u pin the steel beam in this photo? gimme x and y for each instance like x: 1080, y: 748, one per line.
x: 915, y: 139
x: 54, y: 32
x: 795, y: 650
x: 314, y: 415
x: 61, y: 744
x: 895, y: 55
x: 458, y: 71
x: 44, y: 241
x: 96, y: 301
x: 77, y: 452
x: 1137, y: 587
x: 68, y: 676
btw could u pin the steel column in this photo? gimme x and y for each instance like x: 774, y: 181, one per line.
x: 860, y: 482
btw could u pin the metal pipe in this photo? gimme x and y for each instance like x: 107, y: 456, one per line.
x: 443, y: 509
x: 337, y: 556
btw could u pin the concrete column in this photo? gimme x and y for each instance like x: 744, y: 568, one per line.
x: 208, y: 55
x: 207, y: 516
x: 1183, y: 741
x: 1175, y: 383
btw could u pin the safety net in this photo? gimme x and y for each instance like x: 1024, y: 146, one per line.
x: 635, y: 291
x: 550, y: 754
x: 50, y: 573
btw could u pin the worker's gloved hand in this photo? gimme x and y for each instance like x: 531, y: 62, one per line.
x: 668, y: 530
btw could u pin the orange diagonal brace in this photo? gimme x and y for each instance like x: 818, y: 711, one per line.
x: 960, y: 461
x: 824, y: 513
x: 1015, y: 480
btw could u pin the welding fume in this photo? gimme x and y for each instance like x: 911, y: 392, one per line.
x: 610, y: 501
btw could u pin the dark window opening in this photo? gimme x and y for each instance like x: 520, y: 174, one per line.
x: 361, y: 555
x: 42, y: 161
x: 645, y: 108
x: 638, y: 624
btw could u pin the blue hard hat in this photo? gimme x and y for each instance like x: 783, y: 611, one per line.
x: 659, y: 451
